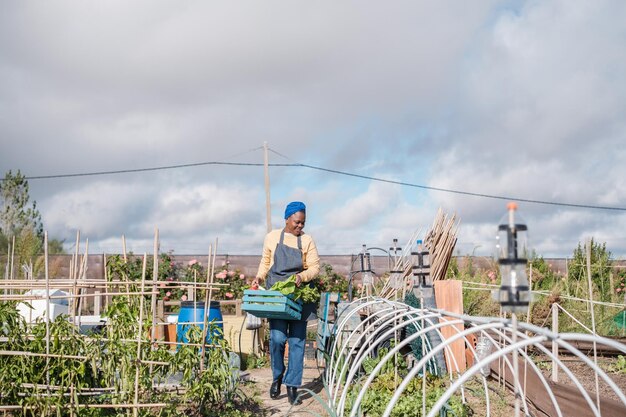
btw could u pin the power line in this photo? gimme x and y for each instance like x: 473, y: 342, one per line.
x: 160, y: 168
x: 447, y: 190
x: 331, y: 171
x: 127, y: 171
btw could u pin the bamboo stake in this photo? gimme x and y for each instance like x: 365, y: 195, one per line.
x: 63, y: 297
x: 75, y: 268
x: 83, y: 273
x: 209, y: 278
x: 45, y: 249
x: 84, y: 391
x: 71, y: 270
x: 95, y: 283
x: 139, y: 330
x: 12, y: 257
x: 6, y: 267
x: 124, y: 248
x: 106, y: 282
x: 34, y: 407
x: 4, y: 339
x: 40, y: 355
x: 593, y: 321
x: 155, y: 276
x: 72, y: 405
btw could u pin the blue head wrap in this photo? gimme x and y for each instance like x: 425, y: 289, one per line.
x: 294, y: 207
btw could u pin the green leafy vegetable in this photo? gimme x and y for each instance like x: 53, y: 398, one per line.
x: 304, y: 292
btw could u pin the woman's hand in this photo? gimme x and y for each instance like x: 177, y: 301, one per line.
x: 254, y: 285
x: 298, y: 280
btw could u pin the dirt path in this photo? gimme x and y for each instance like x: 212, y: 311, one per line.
x: 311, y: 380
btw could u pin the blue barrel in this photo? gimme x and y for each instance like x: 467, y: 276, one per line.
x: 193, y: 312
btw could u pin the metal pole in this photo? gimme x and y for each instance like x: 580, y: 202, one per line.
x: 268, y: 214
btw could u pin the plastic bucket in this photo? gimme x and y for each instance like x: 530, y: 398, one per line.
x: 192, y: 312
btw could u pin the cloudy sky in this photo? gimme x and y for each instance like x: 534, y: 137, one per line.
x: 525, y: 99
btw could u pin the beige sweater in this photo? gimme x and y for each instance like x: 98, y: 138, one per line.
x: 310, y: 258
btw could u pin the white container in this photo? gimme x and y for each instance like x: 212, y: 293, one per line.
x: 34, y: 309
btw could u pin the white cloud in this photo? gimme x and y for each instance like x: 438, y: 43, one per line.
x: 98, y: 209
x: 189, y: 216
x: 526, y: 101
x: 362, y: 209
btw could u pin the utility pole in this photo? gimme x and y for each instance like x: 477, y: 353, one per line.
x: 267, y: 187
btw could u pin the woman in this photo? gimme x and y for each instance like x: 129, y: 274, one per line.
x: 286, y: 252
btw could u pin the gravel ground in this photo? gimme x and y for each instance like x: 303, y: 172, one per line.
x: 311, y: 380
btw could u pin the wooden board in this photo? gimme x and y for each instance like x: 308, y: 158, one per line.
x: 449, y: 297
x: 570, y: 401
x: 232, y: 328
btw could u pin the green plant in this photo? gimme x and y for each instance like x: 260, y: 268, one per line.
x: 543, y: 277
x: 383, y: 387
x: 13, y: 369
x: 619, y: 366
x: 256, y: 362
x: 110, y: 368
x: 304, y: 292
x: 453, y: 269
x: 208, y: 376
x: 600, y: 267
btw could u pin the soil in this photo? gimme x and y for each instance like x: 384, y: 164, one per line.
x: 587, y: 377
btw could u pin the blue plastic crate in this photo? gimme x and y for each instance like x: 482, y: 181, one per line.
x: 271, y: 305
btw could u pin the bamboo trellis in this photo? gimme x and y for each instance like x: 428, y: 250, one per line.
x: 78, y: 285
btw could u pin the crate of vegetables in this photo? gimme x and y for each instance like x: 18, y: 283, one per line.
x: 271, y: 304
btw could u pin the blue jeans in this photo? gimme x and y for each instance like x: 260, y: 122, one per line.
x: 282, y: 331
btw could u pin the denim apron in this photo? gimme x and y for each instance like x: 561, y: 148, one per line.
x: 287, y: 262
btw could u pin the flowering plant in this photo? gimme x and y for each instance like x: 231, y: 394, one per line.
x: 172, y: 275
x: 235, y: 282
x: 330, y: 281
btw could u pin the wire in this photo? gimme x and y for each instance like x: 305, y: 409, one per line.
x: 126, y: 171
x: 447, y: 190
x: 331, y: 171
x: 160, y: 168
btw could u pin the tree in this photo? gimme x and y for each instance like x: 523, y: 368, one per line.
x: 16, y: 216
x: 21, y: 229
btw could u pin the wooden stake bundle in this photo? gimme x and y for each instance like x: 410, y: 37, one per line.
x: 440, y: 242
